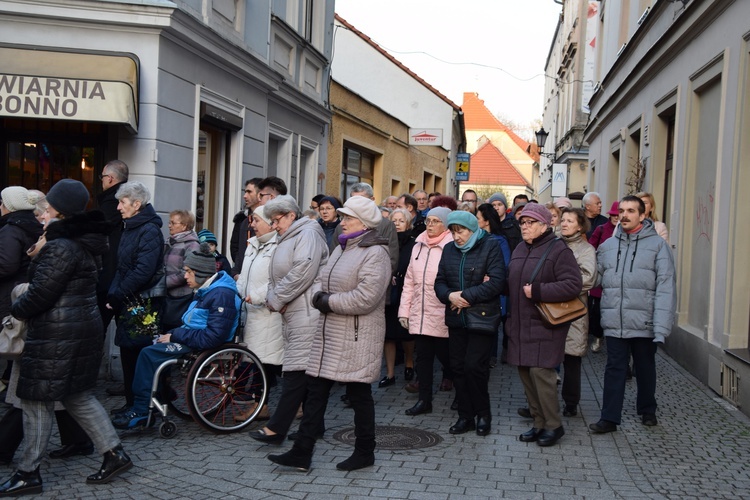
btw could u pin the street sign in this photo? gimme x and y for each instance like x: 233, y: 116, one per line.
x: 462, y: 166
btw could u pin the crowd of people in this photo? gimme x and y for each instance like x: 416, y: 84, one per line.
x: 329, y: 294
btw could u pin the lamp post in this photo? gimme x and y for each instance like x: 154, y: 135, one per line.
x: 541, y: 140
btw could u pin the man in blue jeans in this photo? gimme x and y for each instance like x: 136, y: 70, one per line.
x: 211, y: 320
x: 637, y: 275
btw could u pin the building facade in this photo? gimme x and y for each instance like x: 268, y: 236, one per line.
x: 195, y: 95
x: 671, y: 116
x: 390, y: 128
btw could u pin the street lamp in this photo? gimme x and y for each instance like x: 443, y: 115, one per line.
x: 541, y: 140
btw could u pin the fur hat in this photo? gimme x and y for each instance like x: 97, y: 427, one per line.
x: 465, y: 219
x: 536, y: 211
x: 68, y: 196
x: 498, y: 197
x: 18, y: 198
x: 363, y: 209
x: 441, y: 213
x: 202, y: 262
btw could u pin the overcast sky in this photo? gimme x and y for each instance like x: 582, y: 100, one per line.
x: 501, y: 46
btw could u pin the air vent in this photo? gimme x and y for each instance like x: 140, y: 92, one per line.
x: 730, y: 384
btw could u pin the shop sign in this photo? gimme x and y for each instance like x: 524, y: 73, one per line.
x: 462, y: 166
x: 24, y: 96
x: 425, y: 137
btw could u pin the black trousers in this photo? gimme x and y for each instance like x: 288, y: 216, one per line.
x: 571, y: 385
x: 128, y: 360
x: 470, y: 363
x: 360, y: 397
x: 595, y: 317
x: 428, y: 348
x: 293, y: 392
x: 615, y: 376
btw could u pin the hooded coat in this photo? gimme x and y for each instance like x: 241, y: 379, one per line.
x: 64, y: 341
x: 300, y: 253
x: 530, y: 341
x: 637, y: 276
x: 18, y: 231
x: 418, y: 300
x: 348, y: 344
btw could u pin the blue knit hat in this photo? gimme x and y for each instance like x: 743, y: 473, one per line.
x: 465, y: 219
x: 206, y: 236
x: 330, y: 199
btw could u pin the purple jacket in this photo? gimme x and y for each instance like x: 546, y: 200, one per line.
x: 530, y: 341
x: 177, y: 247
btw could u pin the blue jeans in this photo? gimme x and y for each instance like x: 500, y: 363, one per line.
x: 149, y: 360
x: 644, y: 362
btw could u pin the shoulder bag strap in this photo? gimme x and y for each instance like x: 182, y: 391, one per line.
x: 541, y: 261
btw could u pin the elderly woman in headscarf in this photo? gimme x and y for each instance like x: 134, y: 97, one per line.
x: 533, y: 346
x: 350, y: 295
x: 300, y: 252
x: 470, y: 278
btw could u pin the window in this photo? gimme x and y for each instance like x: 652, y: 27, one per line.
x: 358, y: 167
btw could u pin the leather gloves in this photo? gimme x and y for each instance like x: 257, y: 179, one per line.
x: 320, y: 302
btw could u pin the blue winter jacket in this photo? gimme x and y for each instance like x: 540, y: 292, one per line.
x: 212, y: 317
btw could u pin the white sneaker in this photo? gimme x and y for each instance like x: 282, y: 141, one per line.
x: 597, y: 345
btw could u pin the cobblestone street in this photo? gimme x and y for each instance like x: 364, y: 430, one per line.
x: 700, y: 449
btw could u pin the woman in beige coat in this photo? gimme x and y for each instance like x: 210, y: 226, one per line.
x: 350, y: 295
x: 574, y: 226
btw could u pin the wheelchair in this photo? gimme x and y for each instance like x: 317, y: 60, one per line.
x: 215, y: 388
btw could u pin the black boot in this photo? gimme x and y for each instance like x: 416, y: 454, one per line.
x: 116, y: 461
x: 363, y: 456
x: 22, y: 483
x: 298, y: 457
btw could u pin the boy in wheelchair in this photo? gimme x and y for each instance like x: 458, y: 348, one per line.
x: 210, y: 321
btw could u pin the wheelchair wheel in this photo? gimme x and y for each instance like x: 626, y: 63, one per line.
x: 174, y: 388
x: 167, y: 430
x: 224, y: 385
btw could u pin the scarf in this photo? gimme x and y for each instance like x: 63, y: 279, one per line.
x: 344, y: 238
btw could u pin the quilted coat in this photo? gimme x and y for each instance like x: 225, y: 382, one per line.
x: 139, y: 257
x: 348, y: 344
x: 530, y: 341
x: 263, y: 333
x: 418, y: 300
x: 18, y: 231
x: 577, y: 341
x: 637, y: 275
x: 466, y: 272
x: 176, y: 248
x: 64, y: 341
x: 299, y: 255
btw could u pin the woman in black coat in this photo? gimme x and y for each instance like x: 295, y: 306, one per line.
x: 139, y: 258
x: 63, y: 348
x: 470, y: 277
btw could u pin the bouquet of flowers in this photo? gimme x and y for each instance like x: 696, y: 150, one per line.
x: 140, y: 318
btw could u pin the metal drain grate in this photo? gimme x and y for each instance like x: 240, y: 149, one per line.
x: 394, y: 438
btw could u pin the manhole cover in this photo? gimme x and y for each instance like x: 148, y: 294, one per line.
x: 394, y: 438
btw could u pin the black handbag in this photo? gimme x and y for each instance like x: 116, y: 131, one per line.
x: 174, y: 308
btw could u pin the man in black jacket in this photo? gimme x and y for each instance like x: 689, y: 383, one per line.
x: 113, y: 175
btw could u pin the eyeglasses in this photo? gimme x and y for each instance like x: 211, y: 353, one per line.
x: 175, y: 223
x: 314, y: 207
x: 102, y: 176
x: 527, y: 222
x: 263, y: 195
x: 276, y: 220
x: 469, y: 201
x: 433, y: 222
x: 326, y: 209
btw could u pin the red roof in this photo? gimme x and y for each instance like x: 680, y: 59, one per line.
x: 478, y: 117
x: 490, y: 166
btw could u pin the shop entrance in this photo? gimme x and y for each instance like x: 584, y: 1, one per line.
x: 38, y: 153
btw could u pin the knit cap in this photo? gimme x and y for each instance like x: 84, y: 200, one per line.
x: 206, y: 236
x: 441, y: 213
x: 68, y: 196
x: 465, y: 219
x: 498, y: 197
x: 202, y: 261
x: 17, y: 198
x: 330, y: 199
x: 563, y: 202
x: 538, y: 212
x: 261, y: 213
